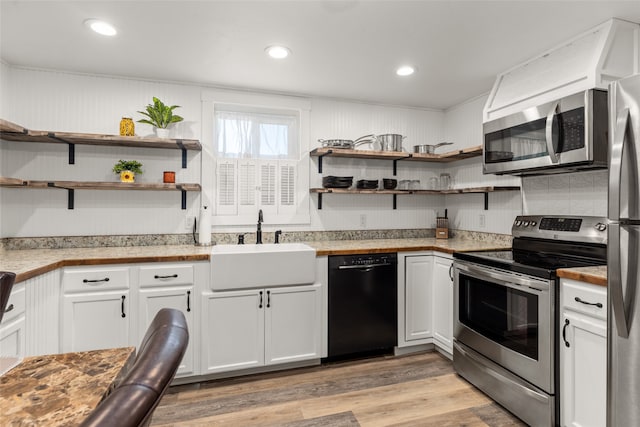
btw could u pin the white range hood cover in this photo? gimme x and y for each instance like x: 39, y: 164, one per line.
x: 593, y: 59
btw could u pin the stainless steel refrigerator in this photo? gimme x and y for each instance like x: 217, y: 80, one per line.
x: 623, y: 377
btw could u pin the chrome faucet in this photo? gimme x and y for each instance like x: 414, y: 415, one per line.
x: 259, y: 230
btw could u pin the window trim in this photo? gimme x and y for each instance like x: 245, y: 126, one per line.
x: 300, y: 105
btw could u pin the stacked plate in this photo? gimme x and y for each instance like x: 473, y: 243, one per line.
x: 337, y: 181
x: 367, y: 184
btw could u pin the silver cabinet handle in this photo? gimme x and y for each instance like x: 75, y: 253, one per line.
x: 549, y: 133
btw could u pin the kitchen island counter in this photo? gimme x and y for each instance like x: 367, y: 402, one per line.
x: 595, y: 275
x: 61, y: 389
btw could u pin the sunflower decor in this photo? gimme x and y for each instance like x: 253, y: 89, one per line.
x: 127, y: 169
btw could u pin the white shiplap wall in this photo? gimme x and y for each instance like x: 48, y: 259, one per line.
x: 463, y: 127
x: 50, y: 100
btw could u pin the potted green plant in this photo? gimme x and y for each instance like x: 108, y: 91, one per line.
x: 160, y: 116
x: 128, y: 170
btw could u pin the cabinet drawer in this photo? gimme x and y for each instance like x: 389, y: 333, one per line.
x: 99, y: 279
x: 573, y: 292
x: 15, y: 305
x: 166, y: 275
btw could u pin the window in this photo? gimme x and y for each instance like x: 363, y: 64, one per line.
x: 259, y: 158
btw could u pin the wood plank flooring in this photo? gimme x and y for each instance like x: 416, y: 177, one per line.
x: 414, y: 390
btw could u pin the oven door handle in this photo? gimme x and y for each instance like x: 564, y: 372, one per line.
x: 517, y: 282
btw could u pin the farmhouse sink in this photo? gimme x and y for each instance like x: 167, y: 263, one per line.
x: 253, y: 266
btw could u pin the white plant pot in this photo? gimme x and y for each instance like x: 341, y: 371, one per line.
x: 162, y: 133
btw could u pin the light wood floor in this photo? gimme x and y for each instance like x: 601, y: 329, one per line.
x: 415, y: 390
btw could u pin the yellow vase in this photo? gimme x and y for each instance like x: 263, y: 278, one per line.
x: 127, y: 127
x: 127, y: 176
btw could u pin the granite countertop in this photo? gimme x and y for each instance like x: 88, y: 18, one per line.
x: 61, y: 389
x: 29, y: 263
x: 594, y: 275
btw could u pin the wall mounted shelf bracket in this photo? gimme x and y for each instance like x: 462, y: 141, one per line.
x: 70, y: 193
x: 320, y: 159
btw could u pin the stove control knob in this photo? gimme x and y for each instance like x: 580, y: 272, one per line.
x: 518, y: 223
x: 526, y: 223
x: 533, y: 223
x: 600, y: 226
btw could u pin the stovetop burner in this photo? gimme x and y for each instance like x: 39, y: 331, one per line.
x: 541, y: 245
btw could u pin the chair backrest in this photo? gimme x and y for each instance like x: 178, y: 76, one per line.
x: 133, y: 401
x: 6, y: 283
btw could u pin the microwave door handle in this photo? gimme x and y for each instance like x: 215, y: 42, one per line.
x: 614, y: 284
x: 549, y: 132
x: 615, y: 166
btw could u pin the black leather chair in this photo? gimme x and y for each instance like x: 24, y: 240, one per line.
x: 6, y: 283
x: 133, y: 401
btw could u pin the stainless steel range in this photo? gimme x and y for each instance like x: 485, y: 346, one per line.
x: 506, y: 311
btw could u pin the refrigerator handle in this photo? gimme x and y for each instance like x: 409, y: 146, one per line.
x: 549, y: 132
x: 615, y: 163
x: 614, y: 281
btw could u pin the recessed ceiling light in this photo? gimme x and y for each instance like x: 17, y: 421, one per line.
x: 405, y: 70
x: 101, y: 27
x: 278, y: 52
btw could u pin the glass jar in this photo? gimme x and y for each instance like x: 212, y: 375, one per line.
x: 127, y: 127
x: 434, y: 183
x: 445, y: 181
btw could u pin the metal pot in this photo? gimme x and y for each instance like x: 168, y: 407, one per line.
x: 347, y: 143
x: 428, y: 149
x: 390, y: 141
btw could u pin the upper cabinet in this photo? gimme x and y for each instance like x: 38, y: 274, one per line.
x: 13, y: 132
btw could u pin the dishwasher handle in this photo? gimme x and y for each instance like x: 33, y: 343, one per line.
x: 367, y: 267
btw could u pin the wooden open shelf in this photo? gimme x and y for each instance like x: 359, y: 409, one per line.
x: 395, y: 156
x: 478, y: 190
x: 71, y: 186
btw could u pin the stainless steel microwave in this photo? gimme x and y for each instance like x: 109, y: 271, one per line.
x: 564, y: 135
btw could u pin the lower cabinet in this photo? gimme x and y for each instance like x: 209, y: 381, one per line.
x: 96, y: 310
x: 426, y: 300
x: 13, y: 326
x: 583, y: 354
x: 251, y: 328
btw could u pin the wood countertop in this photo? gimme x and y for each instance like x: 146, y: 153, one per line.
x: 29, y: 263
x: 594, y: 275
x: 61, y: 389
x: 449, y: 246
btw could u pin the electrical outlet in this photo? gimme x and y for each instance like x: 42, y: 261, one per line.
x: 483, y: 223
x: 188, y: 222
x: 363, y: 221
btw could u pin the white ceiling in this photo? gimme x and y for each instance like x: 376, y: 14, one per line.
x: 343, y: 49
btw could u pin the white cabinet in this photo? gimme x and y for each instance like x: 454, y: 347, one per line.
x: 12, y: 328
x: 583, y: 354
x: 418, y: 290
x: 168, y: 286
x: 425, y: 299
x: 251, y: 328
x: 95, y: 309
x: 443, y: 303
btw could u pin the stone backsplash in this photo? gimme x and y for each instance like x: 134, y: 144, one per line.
x: 60, y: 242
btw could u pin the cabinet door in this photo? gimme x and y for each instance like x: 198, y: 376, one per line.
x: 443, y: 303
x: 12, y: 338
x: 95, y: 320
x: 583, y: 382
x: 292, y: 324
x: 232, y: 330
x: 418, y: 289
x: 152, y: 300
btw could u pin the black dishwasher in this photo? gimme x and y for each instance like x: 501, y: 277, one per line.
x: 363, y: 304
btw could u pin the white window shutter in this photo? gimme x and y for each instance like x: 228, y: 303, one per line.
x: 268, y: 184
x: 226, y: 177
x: 287, y: 180
x: 247, y: 186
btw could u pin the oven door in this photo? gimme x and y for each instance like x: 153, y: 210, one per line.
x: 507, y: 317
